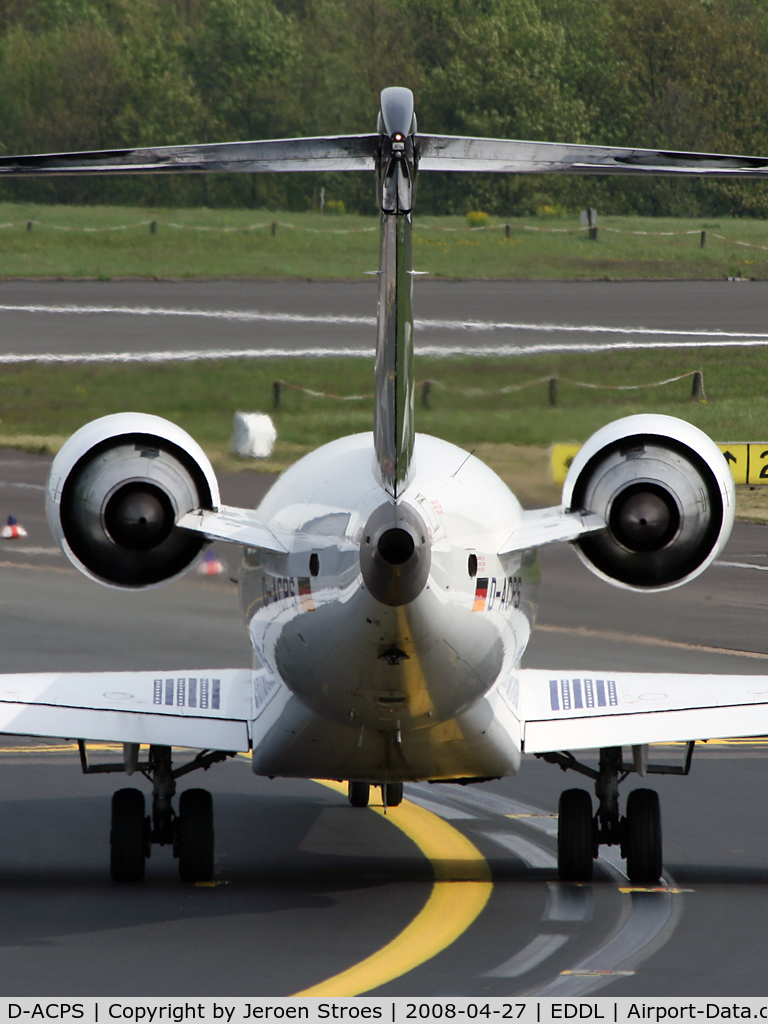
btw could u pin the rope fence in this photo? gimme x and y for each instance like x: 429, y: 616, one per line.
x: 153, y: 225
x: 274, y: 225
x: 697, y: 389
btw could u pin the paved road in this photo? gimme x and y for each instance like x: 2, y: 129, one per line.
x: 309, y: 885
x: 213, y: 316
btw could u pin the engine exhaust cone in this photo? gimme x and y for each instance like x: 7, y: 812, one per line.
x: 644, y: 517
x: 139, y: 516
x: 395, y: 555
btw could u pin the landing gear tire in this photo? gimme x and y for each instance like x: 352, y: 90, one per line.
x: 575, y: 836
x: 393, y: 793
x: 359, y: 794
x: 642, y: 836
x: 128, y: 838
x: 195, y: 836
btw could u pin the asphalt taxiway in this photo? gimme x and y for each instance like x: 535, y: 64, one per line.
x: 64, y: 318
x: 309, y: 889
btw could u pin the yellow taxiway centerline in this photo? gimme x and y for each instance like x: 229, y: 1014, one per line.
x: 461, y: 889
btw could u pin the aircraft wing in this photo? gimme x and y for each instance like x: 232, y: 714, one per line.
x: 548, y: 526
x: 585, y: 709
x: 334, y: 153
x: 506, y: 156
x: 202, y: 708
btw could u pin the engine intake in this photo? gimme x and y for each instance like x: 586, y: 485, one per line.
x: 115, y: 493
x: 666, y: 494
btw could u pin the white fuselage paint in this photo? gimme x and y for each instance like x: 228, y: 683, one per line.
x: 347, y: 687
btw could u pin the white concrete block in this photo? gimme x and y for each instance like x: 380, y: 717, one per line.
x: 254, y: 435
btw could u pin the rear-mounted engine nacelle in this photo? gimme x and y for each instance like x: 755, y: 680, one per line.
x: 666, y: 493
x: 115, y: 492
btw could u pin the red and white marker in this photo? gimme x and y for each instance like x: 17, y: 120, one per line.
x: 13, y: 529
x: 211, y: 565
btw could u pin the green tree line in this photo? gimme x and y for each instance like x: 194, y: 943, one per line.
x: 676, y: 74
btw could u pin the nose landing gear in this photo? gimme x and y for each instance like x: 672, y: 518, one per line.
x: 359, y: 794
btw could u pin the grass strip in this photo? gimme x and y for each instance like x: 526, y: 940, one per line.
x: 469, y: 409
x: 106, y: 242
x: 41, y: 405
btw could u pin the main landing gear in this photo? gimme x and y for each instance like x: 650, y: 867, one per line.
x: 638, y: 834
x: 359, y: 794
x: 189, y: 832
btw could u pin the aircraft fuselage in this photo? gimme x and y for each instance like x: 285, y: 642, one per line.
x: 405, y: 681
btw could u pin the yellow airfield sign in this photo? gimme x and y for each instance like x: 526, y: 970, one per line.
x: 747, y: 460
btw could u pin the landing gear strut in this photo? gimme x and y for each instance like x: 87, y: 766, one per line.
x: 190, y: 832
x: 638, y: 833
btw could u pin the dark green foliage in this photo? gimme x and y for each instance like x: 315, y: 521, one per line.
x: 682, y: 74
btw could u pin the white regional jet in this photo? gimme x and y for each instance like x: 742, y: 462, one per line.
x: 389, y: 579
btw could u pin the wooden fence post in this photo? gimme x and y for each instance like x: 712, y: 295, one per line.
x: 276, y: 389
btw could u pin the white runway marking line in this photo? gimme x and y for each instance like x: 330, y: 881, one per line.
x: 535, y: 953
x: 12, y: 548
x: 652, y: 914
x: 649, y: 918
x: 185, y: 355
x: 534, y: 817
x: 235, y: 315
x: 607, y: 346
x: 742, y: 565
x: 532, y: 854
x: 441, y: 810
x: 568, y: 902
x: 433, y: 351
x: 705, y: 339
x: 248, y: 316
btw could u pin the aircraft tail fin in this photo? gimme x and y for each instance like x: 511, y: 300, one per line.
x: 394, y: 411
x: 396, y: 152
